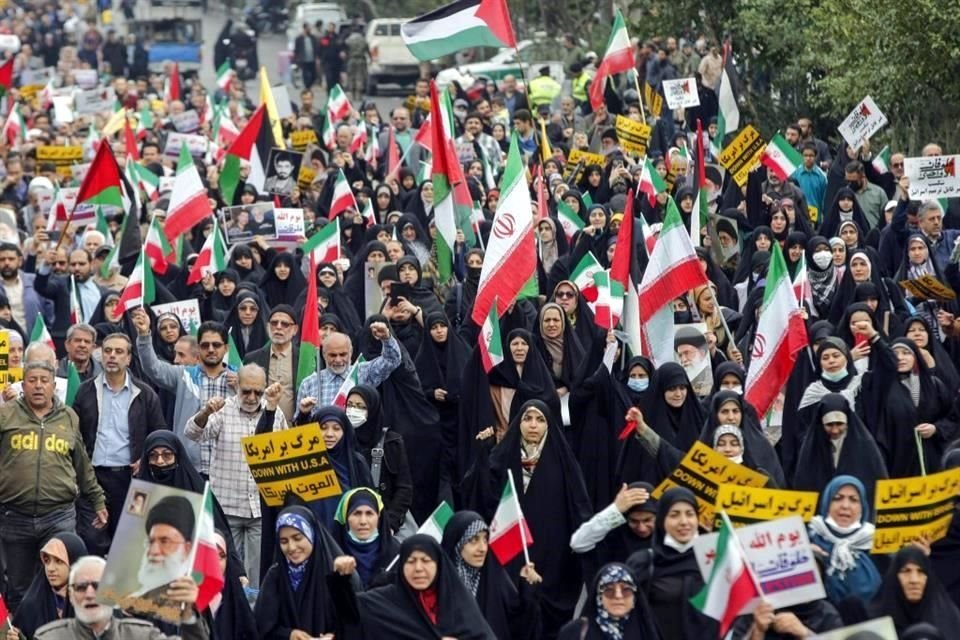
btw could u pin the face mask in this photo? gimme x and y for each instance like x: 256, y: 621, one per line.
x: 356, y: 416
x: 822, y: 259
x: 638, y: 384
x: 853, y: 184
x: 163, y: 475
x: 473, y: 273
x: 834, y: 377
x: 738, y: 389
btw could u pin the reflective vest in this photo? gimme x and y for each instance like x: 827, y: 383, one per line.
x: 542, y: 90
x: 580, y: 87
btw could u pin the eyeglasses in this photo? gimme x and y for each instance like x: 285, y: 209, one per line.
x: 211, y: 345
x: 565, y: 294
x: 898, y: 165
x: 615, y: 590
x: 247, y: 308
x: 251, y: 392
x: 81, y: 587
x: 157, y: 456
x: 281, y: 324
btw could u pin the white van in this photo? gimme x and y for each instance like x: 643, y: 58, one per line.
x: 310, y: 13
x: 390, y: 60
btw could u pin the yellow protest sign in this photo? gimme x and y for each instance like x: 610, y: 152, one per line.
x: 702, y: 471
x: 653, y: 100
x: 300, y: 139
x: 305, y: 177
x: 63, y: 158
x: 634, y: 136
x: 748, y: 506
x: 908, y: 508
x: 29, y: 92
x: 929, y: 288
x: 743, y: 154
x: 575, y: 157
x: 294, y: 460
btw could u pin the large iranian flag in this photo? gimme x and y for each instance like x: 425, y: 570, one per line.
x: 462, y: 24
x: 617, y: 59
x: 338, y: 105
x: 730, y: 587
x: 509, y: 533
x: 511, y: 258
x: 625, y: 271
x: 206, y: 559
x: 212, y: 258
x: 139, y: 290
x: 343, y: 199
x: 780, y: 335
x: 673, y: 270
x: 781, y: 158
x: 189, y: 204
x: 569, y: 220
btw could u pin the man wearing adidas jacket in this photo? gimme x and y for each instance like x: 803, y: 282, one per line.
x: 45, y: 468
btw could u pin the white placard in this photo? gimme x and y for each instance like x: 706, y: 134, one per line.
x: 681, y: 93
x: 290, y: 227
x: 101, y: 99
x: 186, y: 121
x: 86, y: 78
x: 932, y: 177
x: 780, y: 556
x: 187, y: 310
x: 196, y: 144
x: 36, y: 76
x: 282, y: 98
x: 864, y: 121
x: 62, y: 109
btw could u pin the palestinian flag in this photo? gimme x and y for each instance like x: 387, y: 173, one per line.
x: 139, y: 290
x: 40, y: 332
x: 781, y: 158
x: 444, y: 209
x: 569, y: 220
x: 324, y: 245
x: 157, y: 248
x: 730, y: 586
x: 310, y: 340
x: 212, y: 258
x: 6, y: 77
x: 781, y: 333
x: 253, y: 144
x: 73, y: 383
x: 617, y: 59
x: 102, y: 183
x: 352, y: 380
x: 511, y: 258
x: 650, y: 182
x: 881, y: 162
x: 490, y: 345
x: 343, y: 199
x: 338, y: 105
x: 509, y: 533
x: 625, y: 271
x: 15, y: 128
x: 462, y: 24
x: 127, y: 246
x: 225, y: 75
x: 728, y: 116
x: 673, y: 270
x: 582, y: 276
x: 206, y: 559
x: 609, y: 307
x: 189, y: 203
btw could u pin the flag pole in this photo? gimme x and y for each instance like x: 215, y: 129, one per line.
x: 523, y: 522
x: 636, y: 84
x: 743, y: 553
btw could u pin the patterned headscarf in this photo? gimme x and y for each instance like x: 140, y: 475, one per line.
x: 612, y: 627
x: 469, y: 575
x: 297, y: 572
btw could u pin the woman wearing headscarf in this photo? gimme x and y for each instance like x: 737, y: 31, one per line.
x: 909, y: 403
x: 553, y: 242
x: 384, y: 201
x: 309, y: 589
x: 823, y: 275
x: 420, y: 203
x: 560, y: 348
x: 912, y: 594
x: 337, y: 299
x: 939, y: 362
x: 413, y: 233
x: 841, y: 536
x: 46, y: 599
x: 726, y: 294
x: 716, y: 317
x: 374, y: 252
x: 426, y: 600
x: 615, y: 609
x: 363, y: 533
x: 385, y: 453
x: 247, y: 323
x: 512, y: 613
x: 580, y: 318
x: 837, y: 443
x: 552, y: 496
x: 668, y: 573
x: 858, y: 315
x: 860, y: 270
x: 594, y: 183
x: 844, y: 207
x: 105, y: 318
x: 283, y: 281
x: 219, y: 298
x: 621, y: 529
x: 415, y: 290
x: 341, y: 444
x: 230, y: 609
x: 728, y: 408
x: 169, y: 331
x: 918, y: 263
x: 761, y: 240
x: 245, y: 264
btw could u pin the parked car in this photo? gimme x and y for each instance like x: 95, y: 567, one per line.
x: 533, y: 55
x: 310, y: 13
x: 390, y: 60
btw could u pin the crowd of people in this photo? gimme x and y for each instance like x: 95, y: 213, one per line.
x: 873, y: 395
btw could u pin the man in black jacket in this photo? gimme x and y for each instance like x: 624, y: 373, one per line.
x: 116, y: 413
x: 281, y: 357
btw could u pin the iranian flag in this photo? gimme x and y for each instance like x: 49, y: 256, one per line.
x: 338, y: 106
x: 343, y: 199
x: 234, y: 361
x: 245, y: 147
x: 444, y: 207
x: 801, y: 285
x: 625, y: 270
x: 144, y: 123
x: 359, y: 141
x: 158, y: 249
x: 324, y: 245
x: 649, y: 234
x: 40, y: 332
x: 225, y: 75
x: 310, y: 341
x: 780, y: 335
x: 102, y: 184
x: 352, y: 380
x: 609, y: 305
x: 15, y: 128
x: 781, y: 158
x: 142, y: 179
x: 490, y: 344
x: 582, y: 276
x: 462, y: 24
x: 650, y: 182
x: 73, y: 384
x: 700, y: 213
x: 189, y: 204
x: 511, y: 258
x: 569, y: 220
x: 393, y: 154
x: 372, y: 151
x: 76, y: 310
x: 206, y: 559
x: 171, y: 89
x: 139, y: 290
x: 881, y: 162
x: 730, y: 587
x: 6, y: 77
x: 328, y: 134
x: 212, y: 258
x: 617, y: 59
x: 728, y: 116
x: 509, y: 533
x: 437, y: 522
x: 368, y: 215
x: 673, y: 270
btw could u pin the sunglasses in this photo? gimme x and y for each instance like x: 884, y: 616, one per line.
x: 211, y: 345
x: 281, y: 324
x: 81, y: 587
x: 253, y: 392
x: 565, y: 294
x: 614, y: 590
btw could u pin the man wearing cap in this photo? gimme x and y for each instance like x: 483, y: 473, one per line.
x: 281, y: 358
x: 690, y: 347
x: 169, y: 527
x: 44, y: 467
x: 542, y: 90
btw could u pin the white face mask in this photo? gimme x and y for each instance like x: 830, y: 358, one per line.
x: 822, y: 259
x: 356, y: 416
x: 738, y: 389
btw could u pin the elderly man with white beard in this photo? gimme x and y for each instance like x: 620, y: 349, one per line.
x: 170, y: 526
x: 94, y: 620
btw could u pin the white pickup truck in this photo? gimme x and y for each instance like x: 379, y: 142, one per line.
x: 390, y: 60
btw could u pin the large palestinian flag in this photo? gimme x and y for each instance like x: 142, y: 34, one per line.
x: 459, y: 25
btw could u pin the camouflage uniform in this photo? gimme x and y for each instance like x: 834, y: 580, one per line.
x: 356, y: 46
